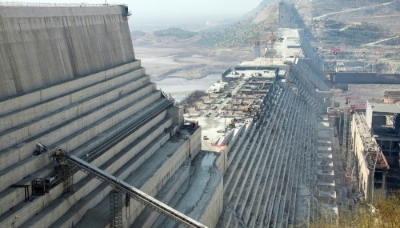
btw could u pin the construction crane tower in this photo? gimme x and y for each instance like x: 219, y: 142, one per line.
x: 271, y: 50
x: 334, y: 52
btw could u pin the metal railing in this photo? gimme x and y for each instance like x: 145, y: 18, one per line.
x: 101, y: 149
x: 138, y: 195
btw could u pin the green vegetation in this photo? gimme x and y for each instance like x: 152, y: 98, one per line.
x: 385, y: 213
x: 175, y: 32
x: 136, y: 34
x: 237, y: 34
x: 354, y: 35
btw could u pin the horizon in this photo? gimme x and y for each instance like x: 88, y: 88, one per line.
x: 174, y: 11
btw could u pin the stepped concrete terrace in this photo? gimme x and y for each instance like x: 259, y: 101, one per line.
x: 271, y: 165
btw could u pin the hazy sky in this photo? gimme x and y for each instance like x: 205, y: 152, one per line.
x: 148, y: 9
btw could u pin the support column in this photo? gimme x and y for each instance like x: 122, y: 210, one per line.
x: 68, y: 179
x: 115, y: 209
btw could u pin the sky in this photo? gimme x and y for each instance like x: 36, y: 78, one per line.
x: 176, y: 9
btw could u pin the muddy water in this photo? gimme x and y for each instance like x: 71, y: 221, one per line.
x: 179, y: 88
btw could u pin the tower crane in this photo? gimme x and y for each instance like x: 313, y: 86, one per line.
x: 334, y: 52
x: 271, y: 50
x: 272, y: 41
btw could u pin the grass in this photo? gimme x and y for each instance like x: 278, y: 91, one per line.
x: 385, y: 213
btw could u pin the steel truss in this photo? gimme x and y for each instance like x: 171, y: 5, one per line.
x: 116, y: 209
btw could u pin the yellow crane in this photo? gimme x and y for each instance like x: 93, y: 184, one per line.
x: 246, y: 109
x: 271, y: 40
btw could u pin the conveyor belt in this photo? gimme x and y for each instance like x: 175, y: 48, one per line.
x: 132, y: 191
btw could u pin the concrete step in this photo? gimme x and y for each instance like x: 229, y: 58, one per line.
x: 42, y: 108
x: 201, y: 183
x: 33, y: 98
x: 233, y: 149
x: 282, y: 182
x: 286, y: 190
x: 86, y: 185
x: 233, y: 166
x: 233, y: 190
x: 270, y: 128
x: 150, y: 177
x: 25, y: 147
x: 42, y: 119
x: 256, y: 190
x: 263, y: 183
x: 71, y: 141
x: 149, y: 216
x: 269, y: 205
x: 250, y: 203
x: 6, y: 201
x: 252, y: 169
x: 273, y: 178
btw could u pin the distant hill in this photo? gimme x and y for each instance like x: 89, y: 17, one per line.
x: 254, y: 25
x: 136, y: 33
x: 175, y: 32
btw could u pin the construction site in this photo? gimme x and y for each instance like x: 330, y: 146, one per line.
x: 86, y: 139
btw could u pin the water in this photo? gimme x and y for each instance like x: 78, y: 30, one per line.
x: 179, y: 88
x: 167, y: 60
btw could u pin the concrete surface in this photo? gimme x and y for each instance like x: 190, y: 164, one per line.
x: 59, y: 44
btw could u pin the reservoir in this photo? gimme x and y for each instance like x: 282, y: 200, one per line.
x: 179, y: 88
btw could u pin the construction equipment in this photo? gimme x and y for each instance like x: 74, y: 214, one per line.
x: 334, y: 52
x: 359, y: 102
x: 232, y: 123
x: 247, y: 108
x: 271, y: 50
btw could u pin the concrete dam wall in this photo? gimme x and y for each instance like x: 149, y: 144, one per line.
x: 42, y: 46
x: 69, y: 79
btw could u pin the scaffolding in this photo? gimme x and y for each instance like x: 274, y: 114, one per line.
x: 68, y: 174
x: 345, y: 135
x: 115, y: 209
x: 372, y: 154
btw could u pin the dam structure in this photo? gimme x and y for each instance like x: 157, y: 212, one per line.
x: 70, y: 81
x: 70, y: 84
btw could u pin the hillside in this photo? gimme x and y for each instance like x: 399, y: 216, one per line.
x: 181, y: 53
x: 365, y: 32
x: 175, y: 32
x: 255, y: 24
